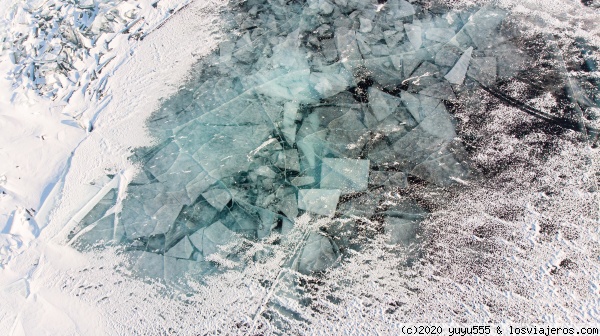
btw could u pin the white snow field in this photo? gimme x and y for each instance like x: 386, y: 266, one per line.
x: 514, y: 240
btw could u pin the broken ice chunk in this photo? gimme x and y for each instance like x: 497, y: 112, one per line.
x: 392, y: 126
x: 265, y: 171
x: 196, y: 239
x: 412, y: 60
x: 163, y: 159
x: 287, y: 202
x: 447, y: 55
x: 438, y: 122
x: 325, y: 7
x: 329, y: 50
x: 186, y: 173
x: 225, y: 50
x: 366, y: 25
x: 312, y: 146
x: 384, y: 72
x: 227, y: 151
x: 245, y: 50
x: 319, y: 201
x: 380, y: 50
x: 348, y: 175
x: 416, y: 146
x: 299, y: 181
x: 332, y: 80
x: 103, y: 230
x: 412, y: 104
x: 396, y: 62
x: 458, y: 72
x: 381, y: 103
x: 425, y: 75
x: 290, y: 114
x: 268, y: 221
x: 400, y: 230
x: 152, y: 212
x: 293, y: 86
x: 345, y: 40
x: 400, y: 8
x: 441, y: 90
x: 217, y: 197
x: 99, y: 210
x: 392, y: 38
x: 182, y: 250
x: 318, y: 254
x: 363, y: 46
x: 208, y: 240
x: 482, y: 27
x: 414, y: 35
x: 242, y: 219
x: 439, y: 34
x: 288, y: 160
x: 347, y: 135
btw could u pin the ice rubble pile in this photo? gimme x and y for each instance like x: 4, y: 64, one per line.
x: 58, y: 47
x: 50, y: 44
x: 308, y: 107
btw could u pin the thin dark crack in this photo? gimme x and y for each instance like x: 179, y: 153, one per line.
x: 562, y: 122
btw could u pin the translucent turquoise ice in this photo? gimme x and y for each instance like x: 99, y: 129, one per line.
x: 314, y: 107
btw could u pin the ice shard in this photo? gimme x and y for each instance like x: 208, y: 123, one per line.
x: 319, y: 201
x: 382, y: 104
x: 217, y: 197
x: 400, y: 8
x: 182, y: 250
x: 458, y: 72
x: 414, y: 35
x: 348, y: 175
x: 208, y: 240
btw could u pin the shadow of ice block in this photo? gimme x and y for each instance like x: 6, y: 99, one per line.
x: 347, y: 175
x: 319, y: 201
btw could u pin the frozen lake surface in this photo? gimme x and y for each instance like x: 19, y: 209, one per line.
x: 331, y: 165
